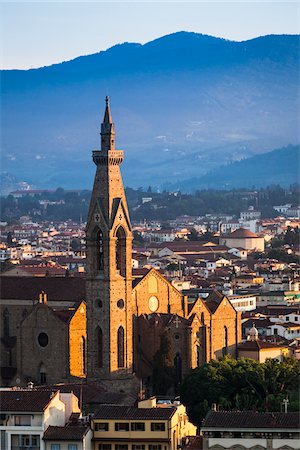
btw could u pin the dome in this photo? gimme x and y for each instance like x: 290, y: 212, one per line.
x: 242, y: 233
x: 253, y: 333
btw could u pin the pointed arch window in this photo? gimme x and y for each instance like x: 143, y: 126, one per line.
x: 100, y: 251
x: 121, y: 347
x: 178, y: 368
x: 225, y: 348
x: 121, y: 251
x: 83, y: 354
x: 43, y: 374
x: 99, y: 347
x: 6, y: 322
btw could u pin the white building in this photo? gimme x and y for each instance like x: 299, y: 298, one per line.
x: 26, y: 414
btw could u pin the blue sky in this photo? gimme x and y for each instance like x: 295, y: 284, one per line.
x: 41, y: 33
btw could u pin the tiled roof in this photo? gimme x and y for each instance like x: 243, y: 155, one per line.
x: 68, y: 432
x: 252, y: 420
x: 241, y: 233
x: 24, y: 401
x: 132, y: 413
x: 259, y: 345
x: 29, y: 288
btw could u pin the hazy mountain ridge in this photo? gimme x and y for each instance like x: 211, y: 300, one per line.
x: 183, y: 105
x: 280, y: 166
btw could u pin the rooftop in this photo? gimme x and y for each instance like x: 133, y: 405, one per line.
x: 251, y: 420
x: 132, y: 413
x: 25, y: 401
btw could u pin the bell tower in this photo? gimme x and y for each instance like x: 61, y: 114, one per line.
x: 109, y: 273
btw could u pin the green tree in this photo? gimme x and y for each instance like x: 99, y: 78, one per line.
x: 242, y: 384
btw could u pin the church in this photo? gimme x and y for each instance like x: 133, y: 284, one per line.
x: 109, y: 327
x: 129, y: 319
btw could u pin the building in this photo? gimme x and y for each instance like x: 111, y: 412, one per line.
x: 26, y: 414
x: 154, y: 425
x: 250, y: 214
x: 260, y: 350
x: 241, y: 430
x: 44, y: 334
x: 121, y: 310
x: 243, y: 238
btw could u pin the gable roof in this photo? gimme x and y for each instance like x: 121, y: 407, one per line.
x: 213, y: 301
x: 251, y: 419
x: 25, y: 401
x: 66, y: 433
x: 137, y: 281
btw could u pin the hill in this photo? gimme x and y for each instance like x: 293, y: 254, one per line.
x: 183, y: 105
x: 281, y: 166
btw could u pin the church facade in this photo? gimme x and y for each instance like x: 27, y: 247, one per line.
x: 128, y: 318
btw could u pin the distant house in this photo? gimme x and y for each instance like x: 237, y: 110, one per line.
x: 243, y: 238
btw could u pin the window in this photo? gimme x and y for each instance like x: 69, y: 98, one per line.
x: 225, y: 348
x: 157, y: 426
x: 82, y: 354
x: 137, y: 426
x: 72, y: 447
x: 104, y: 447
x: 121, y: 251
x: 100, y: 258
x: 121, y: 447
x: 296, y: 318
x: 275, y: 330
x: 43, y: 340
x: 287, y: 318
x: 99, y: 337
x: 138, y: 447
x: 55, y: 446
x: 101, y: 426
x: 155, y: 447
x: 121, y: 347
x: 6, y: 322
x: 22, y: 420
x: 121, y: 426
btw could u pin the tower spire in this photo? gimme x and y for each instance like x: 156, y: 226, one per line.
x: 107, y: 129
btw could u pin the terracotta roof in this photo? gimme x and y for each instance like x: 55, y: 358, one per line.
x: 132, y: 413
x: 29, y: 288
x: 68, y: 432
x: 241, y: 233
x: 251, y: 419
x: 259, y: 345
x: 24, y: 401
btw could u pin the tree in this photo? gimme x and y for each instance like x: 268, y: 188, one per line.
x: 163, y: 372
x: 242, y: 384
x: 193, y: 236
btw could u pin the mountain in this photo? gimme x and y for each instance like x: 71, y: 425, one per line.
x: 183, y: 105
x: 280, y: 166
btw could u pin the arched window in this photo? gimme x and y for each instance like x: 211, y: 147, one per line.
x: 121, y: 251
x: 198, y: 355
x: 100, y: 251
x: 225, y: 348
x: 99, y: 335
x: 83, y: 355
x: 202, y: 318
x: 121, y: 347
x: 6, y: 322
x: 178, y: 368
x: 43, y: 375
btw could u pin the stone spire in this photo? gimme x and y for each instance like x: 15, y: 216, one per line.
x: 107, y: 129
